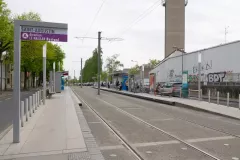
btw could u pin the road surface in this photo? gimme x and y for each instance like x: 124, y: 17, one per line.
x: 156, y: 131
x: 6, y: 109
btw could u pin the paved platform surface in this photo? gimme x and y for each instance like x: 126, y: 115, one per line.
x: 195, y: 104
x: 214, y: 134
x: 53, y: 131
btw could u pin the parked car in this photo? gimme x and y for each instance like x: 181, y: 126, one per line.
x: 171, y: 89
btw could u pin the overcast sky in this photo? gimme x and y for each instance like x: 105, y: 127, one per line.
x: 205, y: 26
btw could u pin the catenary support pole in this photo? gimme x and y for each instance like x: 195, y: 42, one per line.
x: 99, y: 60
x: 81, y: 73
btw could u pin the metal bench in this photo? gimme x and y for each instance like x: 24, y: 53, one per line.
x: 49, y: 94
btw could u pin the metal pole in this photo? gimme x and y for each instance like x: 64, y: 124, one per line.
x: 199, y: 76
x: 33, y: 100
x: 54, y: 77
x: 81, y: 73
x: 22, y: 113
x: 218, y: 97
x: 228, y: 99
x: 26, y: 108
x: 99, y: 57
x: 239, y: 101
x: 1, y: 76
x: 16, y: 90
x: 44, y: 73
x: 182, y: 67
x: 209, y: 96
x: 30, y: 106
x: 199, y: 81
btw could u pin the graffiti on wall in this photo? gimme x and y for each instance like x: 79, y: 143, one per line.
x: 205, y: 66
x: 213, y: 77
x: 216, y: 77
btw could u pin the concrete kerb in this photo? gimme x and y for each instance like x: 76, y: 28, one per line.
x: 173, y: 103
x: 142, y: 97
x: 178, y: 104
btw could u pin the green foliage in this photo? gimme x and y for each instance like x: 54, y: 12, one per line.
x: 104, y: 76
x: 153, y: 62
x: 134, y: 70
x: 6, y: 28
x: 90, y: 68
x: 113, y: 64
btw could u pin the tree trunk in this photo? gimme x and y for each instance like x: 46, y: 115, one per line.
x: 40, y: 81
x: 33, y: 79
x: 25, y: 79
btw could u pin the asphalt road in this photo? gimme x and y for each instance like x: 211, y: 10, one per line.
x: 6, y: 109
x: 208, y: 132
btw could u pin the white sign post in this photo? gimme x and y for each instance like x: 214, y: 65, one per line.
x: 44, y: 72
x: 30, y: 30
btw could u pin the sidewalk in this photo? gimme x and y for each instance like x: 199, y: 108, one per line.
x: 53, y: 130
x: 188, y: 103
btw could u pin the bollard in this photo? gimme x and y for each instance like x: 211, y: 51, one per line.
x: 40, y: 97
x: 30, y: 106
x: 239, y: 101
x: 33, y: 104
x: 189, y: 93
x: 209, y: 96
x: 201, y: 93
x: 180, y: 93
x: 218, y: 97
x: 22, y: 113
x: 228, y: 99
x: 26, y: 108
x: 35, y: 101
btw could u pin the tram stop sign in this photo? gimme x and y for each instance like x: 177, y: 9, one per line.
x: 43, y: 34
x: 30, y: 30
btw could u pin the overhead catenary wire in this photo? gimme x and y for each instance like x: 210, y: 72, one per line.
x: 95, y: 17
x: 142, y: 16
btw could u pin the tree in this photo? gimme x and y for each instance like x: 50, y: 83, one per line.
x: 90, y: 68
x: 153, y: 62
x: 104, y: 76
x: 113, y: 64
x: 6, y: 29
x: 31, y: 53
x: 134, y: 70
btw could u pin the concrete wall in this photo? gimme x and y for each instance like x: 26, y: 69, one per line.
x: 174, y: 25
x: 219, y: 64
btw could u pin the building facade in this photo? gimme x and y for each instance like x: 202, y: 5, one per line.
x: 218, y: 64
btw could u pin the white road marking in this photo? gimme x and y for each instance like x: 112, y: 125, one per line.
x: 133, y: 108
x: 226, y: 144
x: 94, y: 122
x: 235, y: 158
x: 155, y: 143
x: 113, y: 155
x: 167, y: 119
x: 111, y: 147
x: 149, y: 152
x: 184, y: 148
x: 209, y: 139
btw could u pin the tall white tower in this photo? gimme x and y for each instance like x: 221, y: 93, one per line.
x: 174, y: 24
